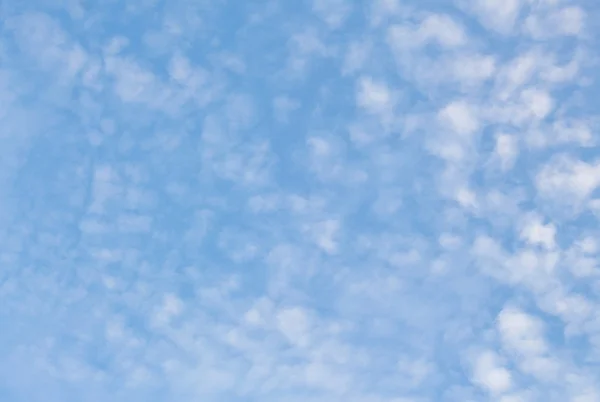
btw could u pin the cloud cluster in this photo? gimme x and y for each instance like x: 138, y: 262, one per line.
x: 321, y: 200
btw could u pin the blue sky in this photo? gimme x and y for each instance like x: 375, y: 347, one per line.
x: 311, y: 200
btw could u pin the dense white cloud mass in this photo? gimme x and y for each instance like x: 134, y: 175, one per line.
x: 311, y: 200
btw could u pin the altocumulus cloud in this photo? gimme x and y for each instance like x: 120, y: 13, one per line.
x: 312, y: 200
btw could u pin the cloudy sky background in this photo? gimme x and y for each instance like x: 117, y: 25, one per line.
x: 328, y: 200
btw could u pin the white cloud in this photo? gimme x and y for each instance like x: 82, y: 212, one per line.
x: 535, y: 232
x: 436, y: 29
x: 539, y: 103
x: 523, y: 334
x: 460, y: 117
x: 325, y: 233
x: 381, y: 10
x: 374, y: 96
x: 449, y: 241
x: 294, y: 324
x: 305, y: 45
x: 378, y: 99
x: 497, y: 15
x: 474, y: 68
x: 356, y: 57
x: 42, y: 38
x: 564, y: 21
x: 443, y: 30
x: 506, y: 150
x: 415, y: 372
x: 170, y: 308
x: 516, y: 73
x: 466, y: 198
x: 333, y: 12
x: 489, y: 373
x: 567, y: 180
